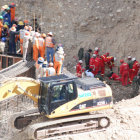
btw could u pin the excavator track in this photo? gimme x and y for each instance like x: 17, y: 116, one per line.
x: 69, y: 125
x: 59, y: 126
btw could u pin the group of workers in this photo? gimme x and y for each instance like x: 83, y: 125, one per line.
x: 96, y: 64
x: 45, y: 68
x: 42, y: 46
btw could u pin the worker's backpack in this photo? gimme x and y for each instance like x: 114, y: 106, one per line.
x: 81, y: 53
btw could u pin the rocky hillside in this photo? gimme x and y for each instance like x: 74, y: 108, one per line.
x: 112, y: 25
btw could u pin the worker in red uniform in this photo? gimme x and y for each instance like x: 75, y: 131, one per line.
x: 124, y: 72
x: 96, y: 51
x: 79, y: 69
x: 92, y: 63
x: 135, y: 68
x: 97, y: 65
x: 114, y: 76
x: 110, y: 61
x: 103, y: 62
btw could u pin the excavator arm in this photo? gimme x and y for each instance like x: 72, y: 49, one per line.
x: 20, y: 85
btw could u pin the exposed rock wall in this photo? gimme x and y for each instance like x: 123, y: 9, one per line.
x: 112, y: 25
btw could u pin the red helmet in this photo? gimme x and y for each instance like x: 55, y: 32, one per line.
x: 107, y: 54
x: 121, y: 61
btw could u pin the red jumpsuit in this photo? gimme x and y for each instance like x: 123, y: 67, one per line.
x: 97, y: 65
x: 92, y: 64
x: 115, y: 77
x: 97, y: 53
x: 124, y: 72
x: 110, y: 62
x: 103, y: 61
x: 135, y: 70
x: 79, y: 70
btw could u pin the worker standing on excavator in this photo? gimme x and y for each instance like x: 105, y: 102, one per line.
x: 43, y: 69
x: 124, y: 72
x: 38, y: 67
x: 50, y: 70
x: 58, y: 60
x: 50, y: 43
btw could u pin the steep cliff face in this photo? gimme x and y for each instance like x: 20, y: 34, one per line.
x: 109, y: 24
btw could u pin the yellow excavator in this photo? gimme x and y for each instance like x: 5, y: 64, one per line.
x: 67, y: 102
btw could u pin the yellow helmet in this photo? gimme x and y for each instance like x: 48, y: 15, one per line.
x: 20, y: 23
x: 5, y: 26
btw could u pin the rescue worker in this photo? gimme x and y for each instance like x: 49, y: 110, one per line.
x: 35, y: 46
x: 50, y: 42
x: 96, y: 51
x: 114, y: 76
x: 1, y: 25
x: 35, y: 23
x: 103, y: 62
x: 20, y: 25
x: 38, y: 67
x: 99, y: 76
x: 87, y: 58
x: 50, y: 70
x: 135, y: 68
x: 124, y: 72
x: 12, y: 44
x: 81, y: 53
x: 110, y: 62
x: 92, y: 63
x: 12, y: 8
x: 41, y: 42
x: 79, y: 69
x: 97, y: 65
x: 43, y: 69
x: 25, y: 44
x: 7, y: 17
x: 4, y: 31
x: 21, y: 35
x: 130, y: 64
x: 58, y: 60
x: 3, y: 12
x: 89, y: 73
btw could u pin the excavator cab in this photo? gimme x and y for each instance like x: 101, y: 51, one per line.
x: 54, y: 92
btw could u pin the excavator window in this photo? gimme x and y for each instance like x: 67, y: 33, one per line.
x: 59, y: 93
x: 62, y: 93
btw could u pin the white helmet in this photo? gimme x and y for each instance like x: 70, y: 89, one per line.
x: 115, y: 58
x: 133, y: 59
x: 94, y: 55
x: 50, y: 33
x: 96, y: 49
x: 80, y: 61
x: 129, y: 57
